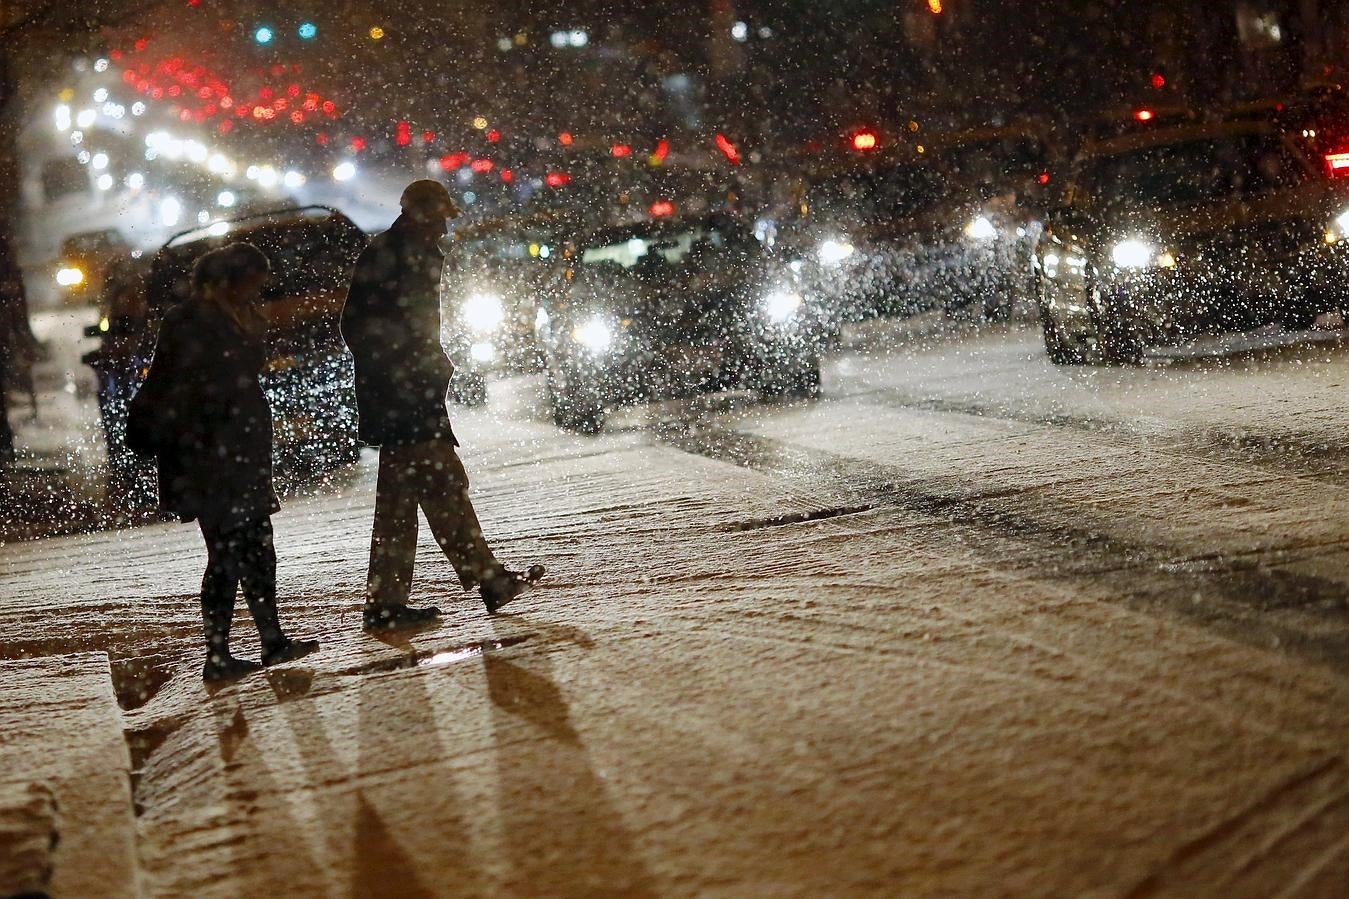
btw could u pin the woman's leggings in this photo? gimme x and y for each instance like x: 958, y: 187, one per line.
x: 242, y: 555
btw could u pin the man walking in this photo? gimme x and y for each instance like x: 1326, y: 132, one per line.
x: 391, y: 322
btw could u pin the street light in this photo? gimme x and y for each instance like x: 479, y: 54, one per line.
x: 263, y: 35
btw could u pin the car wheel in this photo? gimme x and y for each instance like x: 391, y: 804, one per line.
x: 800, y: 379
x: 1119, y: 340
x: 1059, y: 346
x: 576, y: 404
x: 469, y: 390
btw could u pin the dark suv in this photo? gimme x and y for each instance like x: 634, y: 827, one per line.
x: 673, y: 307
x: 309, y: 379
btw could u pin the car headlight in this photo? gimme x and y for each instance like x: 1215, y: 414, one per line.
x: 483, y: 312
x: 1339, y: 229
x: 594, y: 334
x: 782, y: 305
x: 834, y: 252
x: 981, y: 229
x: 483, y: 351
x: 70, y: 276
x: 1137, y: 254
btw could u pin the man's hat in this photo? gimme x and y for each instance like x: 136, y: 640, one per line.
x: 429, y: 198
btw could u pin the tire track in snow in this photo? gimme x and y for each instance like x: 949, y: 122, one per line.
x: 1232, y: 595
x: 1320, y: 457
x: 1312, y: 806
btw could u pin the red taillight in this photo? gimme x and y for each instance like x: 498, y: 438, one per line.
x: 620, y: 151
x: 1338, y: 164
x: 557, y: 179
x: 1144, y: 115
x: 728, y: 149
x: 662, y: 209
x: 1043, y: 178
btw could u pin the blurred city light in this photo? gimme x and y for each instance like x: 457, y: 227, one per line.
x: 307, y: 31
x: 728, y: 149
x: 263, y: 35
x: 170, y: 210
x: 864, y: 140
x: 344, y: 171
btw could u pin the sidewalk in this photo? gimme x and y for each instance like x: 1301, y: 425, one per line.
x: 56, y: 485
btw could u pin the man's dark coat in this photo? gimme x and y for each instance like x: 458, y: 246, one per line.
x: 391, y: 322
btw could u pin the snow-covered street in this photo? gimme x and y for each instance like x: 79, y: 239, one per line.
x: 969, y: 624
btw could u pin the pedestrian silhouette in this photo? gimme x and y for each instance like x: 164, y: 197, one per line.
x: 202, y: 413
x: 391, y: 322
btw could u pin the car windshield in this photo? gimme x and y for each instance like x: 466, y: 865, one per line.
x: 1194, y: 171
x: 692, y: 248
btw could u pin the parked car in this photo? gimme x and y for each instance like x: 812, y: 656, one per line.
x: 1170, y: 233
x: 673, y: 307
x: 309, y: 381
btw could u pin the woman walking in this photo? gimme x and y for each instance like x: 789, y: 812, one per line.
x: 203, y: 414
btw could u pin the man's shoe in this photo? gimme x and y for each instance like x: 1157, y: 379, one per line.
x: 504, y: 587
x: 393, y: 616
x: 289, y: 651
x: 228, y: 668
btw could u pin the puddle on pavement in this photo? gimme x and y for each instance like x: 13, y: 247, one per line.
x: 136, y: 679
x: 436, y: 658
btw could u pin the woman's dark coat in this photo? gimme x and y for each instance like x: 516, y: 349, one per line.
x: 202, y: 413
x: 391, y: 323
